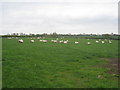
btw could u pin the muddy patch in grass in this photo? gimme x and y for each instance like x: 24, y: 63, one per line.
x: 112, y: 65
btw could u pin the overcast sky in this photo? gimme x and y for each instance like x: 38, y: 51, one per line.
x: 61, y: 16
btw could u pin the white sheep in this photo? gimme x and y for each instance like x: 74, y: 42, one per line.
x: 20, y: 41
x: 110, y: 41
x: 32, y: 41
x: 38, y: 38
x: 76, y: 42
x: 9, y: 38
x: 44, y: 41
x: 103, y: 42
x: 16, y: 37
x: 65, y: 42
x: 89, y: 43
x: 54, y: 41
x: 105, y: 39
x: 97, y: 41
x: 61, y: 41
x: 41, y: 40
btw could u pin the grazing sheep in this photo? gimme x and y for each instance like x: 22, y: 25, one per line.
x: 103, y: 42
x: 61, y: 41
x: 20, y: 41
x: 44, y: 41
x: 76, y: 42
x: 41, y: 40
x: 38, y: 38
x: 32, y: 41
x: 110, y: 41
x: 54, y: 41
x: 105, y: 39
x: 65, y: 42
x: 9, y: 38
x: 97, y: 41
x: 89, y: 43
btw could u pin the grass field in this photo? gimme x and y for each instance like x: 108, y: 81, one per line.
x: 58, y: 65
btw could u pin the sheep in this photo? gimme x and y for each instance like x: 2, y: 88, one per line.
x: 89, y: 43
x: 54, y: 41
x: 20, y: 41
x: 44, y: 41
x: 65, y: 42
x: 103, y: 42
x: 110, y: 41
x: 9, y: 38
x: 16, y: 37
x: 97, y: 41
x: 105, y: 39
x: 38, y: 38
x: 32, y: 41
x: 41, y: 40
x: 76, y: 42
x: 61, y: 41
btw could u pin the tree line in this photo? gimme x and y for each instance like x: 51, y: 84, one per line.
x: 55, y: 35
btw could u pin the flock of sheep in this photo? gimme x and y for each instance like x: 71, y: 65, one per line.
x: 57, y: 40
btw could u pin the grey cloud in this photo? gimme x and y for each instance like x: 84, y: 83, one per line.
x: 62, y: 17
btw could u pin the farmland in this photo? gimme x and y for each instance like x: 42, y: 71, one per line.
x: 58, y: 65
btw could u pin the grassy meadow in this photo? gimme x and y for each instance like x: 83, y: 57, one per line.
x: 58, y: 65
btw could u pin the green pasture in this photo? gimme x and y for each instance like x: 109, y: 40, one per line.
x: 57, y: 65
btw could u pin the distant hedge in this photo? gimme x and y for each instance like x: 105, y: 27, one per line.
x: 115, y: 37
